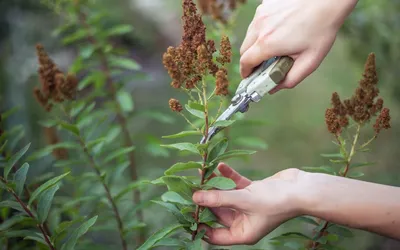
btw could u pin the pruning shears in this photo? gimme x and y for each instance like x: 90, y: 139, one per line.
x: 264, y: 78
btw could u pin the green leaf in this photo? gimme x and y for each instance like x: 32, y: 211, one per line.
x: 222, y: 183
x: 38, y: 237
x: 45, y: 186
x: 5, y: 225
x: 124, y: 63
x: 76, y: 36
x: 341, y: 231
x: 182, y: 166
x: 8, y: 113
x: 359, y: 165
x: 181, y: 134
x: 210, y: 170
x: 70, y: 127
x: 194, y: 112
x: 45, y: 200
x: 125, y: 101
x: 119, y: 30
x: 291, y: 235
x: 49, y: 149
x: 321, y: 169
x: 96, y: 77
x: 170, y: 242
x: 48, y: 123
x: 294, y: 245
x: 79, y: 232
x: 307, y: 220
x: 184, y: 146
x: 174, y: 210
x: 159, y: 235
x: 218, y: 149
x: 179, y: 185
x: 20, y: 178
x: 338, y: 161
x: 130, y: 187
x: 232, y: 154
x: 118, y: 153
x: 251, y: 142
x: 355, y: 174
x: 174, y: 197
x: 12, y: 204
x: 197, y: 106
x: 76, y: 109
x: 207, y: 216
x: 340, y: 156
x: 14, y: 159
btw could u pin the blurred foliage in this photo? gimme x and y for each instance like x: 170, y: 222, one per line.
x: 372, y: 27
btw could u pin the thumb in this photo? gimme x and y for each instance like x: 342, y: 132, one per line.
x: 236, y: 199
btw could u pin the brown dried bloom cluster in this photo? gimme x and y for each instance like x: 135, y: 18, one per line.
x: 52, y: 138
x: 175, y: 105
x: 55, y: 86
x: 189, y: 62
x: 222, y: 82
x: 362, y: 106
x: 219, y: 10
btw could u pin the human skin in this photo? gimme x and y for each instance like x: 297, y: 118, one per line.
x: 302, y: 29
x: 255, y: 208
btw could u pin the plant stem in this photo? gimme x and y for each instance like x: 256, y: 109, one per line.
x: 29, y: 212
x: 349, y: 157
x: 190, y: 123
x: 121, y: 120
x: 108, y: 194
x: 205, y: 155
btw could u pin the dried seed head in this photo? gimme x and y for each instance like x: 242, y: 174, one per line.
x: 383, y: 121
x: 225, y: 51
x: 222, y: 83
x: 54, y: 86
x: 332, y: 122
x: 175, y: 105
x: 219, y: 10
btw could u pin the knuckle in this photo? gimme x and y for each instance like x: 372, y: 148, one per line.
x: 216, y: 199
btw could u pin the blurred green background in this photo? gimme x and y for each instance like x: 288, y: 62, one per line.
x: 295, y: 132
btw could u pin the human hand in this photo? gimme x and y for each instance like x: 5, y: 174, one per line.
x: 251, y: 211
x: 303, y: 30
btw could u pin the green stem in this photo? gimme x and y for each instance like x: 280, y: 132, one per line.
x: 30, y: 214
x: 349, y: 157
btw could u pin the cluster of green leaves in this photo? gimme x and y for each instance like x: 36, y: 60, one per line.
x: 26, y: 204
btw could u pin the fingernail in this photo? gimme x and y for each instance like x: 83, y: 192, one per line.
x: 198, y: 197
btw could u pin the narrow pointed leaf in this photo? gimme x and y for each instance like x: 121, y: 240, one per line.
x: 159, y: 235
x: 222, y: 183
x: 125, y: 101
x: 13, y: 221
x: 207, y: 216
x: 20, y: 178
x: 233, y: 154
x: 178, y: 185
x: 184, y: 146
x: 195, y: 112
x: 218, y: 149
x: 45, y: 186
x: 174, y: 197
x: 14, y: 159
x: 118, y: 153
x: 44, y: 203
x: 182, y: 134
x: 182, y: 166
x: 70, y: 127
x: 77, y: 233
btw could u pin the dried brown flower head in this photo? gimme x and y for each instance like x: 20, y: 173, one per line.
x: 362, y: 106
x: 383, y: 121
x: 225, y: 51
x: 222, y: 82
x: 175, y: 105
x: 52, y: 138
x: 55, y: 87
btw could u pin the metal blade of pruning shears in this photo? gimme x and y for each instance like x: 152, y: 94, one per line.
x: 264, y: 78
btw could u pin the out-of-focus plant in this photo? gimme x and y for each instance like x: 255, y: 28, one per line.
x: 372, y: 26
x: 202, y: 75
x: 26, y: 204
x: 102, y: 114
x: 345, y: 120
